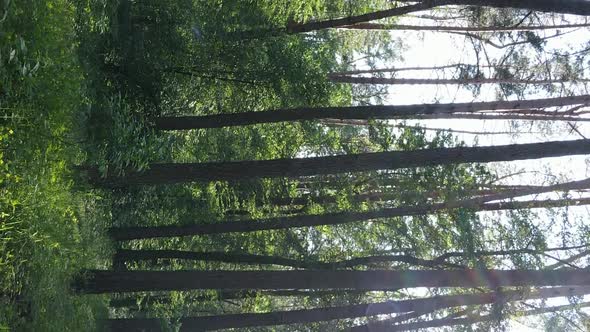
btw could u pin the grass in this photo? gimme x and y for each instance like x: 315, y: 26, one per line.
x: 50, y: 228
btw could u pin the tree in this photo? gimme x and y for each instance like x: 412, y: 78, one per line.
x: 469, y: 320
x: 378, y: 26
x: 134, y: 233
x: 576, y: 7
x: 206, y: 323
x: 436, y: 81
x: 240, y: 170
x: 100, y: 281
x: 356, y: 112
x: 126, y: 255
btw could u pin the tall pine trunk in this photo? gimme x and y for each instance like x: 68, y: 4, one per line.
x: 242, y: 170
x: 469, y: 320
x: 478, y: 203
x: 378, y: 26
x: 208, y: 323
x: 126, y: 255
x: 576, y: 7
x: 355, y: 112
x: 99, y: 281
x: 428, y: 81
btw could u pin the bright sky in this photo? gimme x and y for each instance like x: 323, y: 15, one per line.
x: 432, y: 49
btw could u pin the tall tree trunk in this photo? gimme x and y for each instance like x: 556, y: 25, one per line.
x: 98, y: 281
x: 447, y: 322
x: 242, y: 170
x: 140, y: 255
x: 209, y: 323
x: 426, y: 81
x: 419, y: 68
x: 378, y: 26
x: 124, y: 255
x: 355, y: 112
x: 505, y: 117
x: 134, y: 233
x: 576, y: 7
x: 351, y: 20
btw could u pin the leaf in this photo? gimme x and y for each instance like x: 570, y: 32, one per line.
x: 12, y: 55
x: 23, y: 45
x: 35, y: 68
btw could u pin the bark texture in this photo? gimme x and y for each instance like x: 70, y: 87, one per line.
x: 99, y: 281
x: 355, y: 112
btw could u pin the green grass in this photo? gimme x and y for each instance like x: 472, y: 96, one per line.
x: 50, y: 228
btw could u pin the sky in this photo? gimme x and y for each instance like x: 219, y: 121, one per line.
x: 433, y: 49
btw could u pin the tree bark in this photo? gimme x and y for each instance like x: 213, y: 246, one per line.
x: 505, y: 117
x: 99, y: 281
x: 351, y: 20
x: 427, y: 81
x: 209, y: 323
x: 135, y: 233
x: 378, y: 26
x: 124, y: 255
x: 419, y: 68
x: 447, y: 322
x: 170, y: 173
x: 355, y: 112
x: 575, y: 7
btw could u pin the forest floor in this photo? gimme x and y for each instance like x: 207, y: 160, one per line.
x: 50, y: 226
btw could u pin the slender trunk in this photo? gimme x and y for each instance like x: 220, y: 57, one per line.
x: 134, y: 233
x: 570, y: 260
x: 99, y: 281
x: 505, y: 117
x: 544, y: 293
x: 378, y: 26
x: 419, y: 68
x: 351, y: 20
x: 576, y: 7
x: 355, y: 112
x: 170, y: 173
x: 336, y: 122
x: 209, y: 323
x: 447, y: 322
x: 140, y: 255
x: 427, y: 81
x: 437, y: 262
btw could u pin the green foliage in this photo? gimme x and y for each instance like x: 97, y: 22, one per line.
x: 41, y: 236
x: 81, y: 82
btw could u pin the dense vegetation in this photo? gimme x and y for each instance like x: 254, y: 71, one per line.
x: 83, y: 84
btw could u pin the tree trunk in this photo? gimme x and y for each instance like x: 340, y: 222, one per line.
x: 447, y: 322
x: 351, y: 20
x: 208, y: 323
x: 419, y: 68
x: 124, y: 255
x: 505, y: 117
x: 426, y: 81
x: 243, y: 170
x: 355, y: 112
x: 135, y: 233
x: 576, y: 7
x: 99, y: 281
x: 378, y: 26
